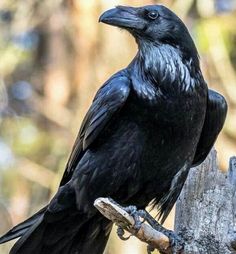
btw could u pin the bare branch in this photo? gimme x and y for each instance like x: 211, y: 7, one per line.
x: 116, y: 213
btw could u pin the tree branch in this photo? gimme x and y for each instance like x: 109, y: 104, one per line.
x: 117, y: 214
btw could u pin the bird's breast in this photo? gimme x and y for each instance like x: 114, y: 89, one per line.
x: 171, y: 126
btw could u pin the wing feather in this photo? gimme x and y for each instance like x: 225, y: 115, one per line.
x: 214, y: 121
x: 109, y: 99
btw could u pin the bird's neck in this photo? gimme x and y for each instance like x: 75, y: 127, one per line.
x: 165, y: 64
x: 160, y: 69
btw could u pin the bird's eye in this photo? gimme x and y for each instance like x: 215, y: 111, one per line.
x: 153, y: 15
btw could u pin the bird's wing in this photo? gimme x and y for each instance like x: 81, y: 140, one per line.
x: 109, y: 99
x: 214, y: 121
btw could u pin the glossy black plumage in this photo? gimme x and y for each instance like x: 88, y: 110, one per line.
x: 147, y: 125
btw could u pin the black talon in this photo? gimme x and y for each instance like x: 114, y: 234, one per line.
x: 137, y: 222
x: 175, y: 241
x: 120, y: 232
x: 132, y: 210
x: 142, y: 214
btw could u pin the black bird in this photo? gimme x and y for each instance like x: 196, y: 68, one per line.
x: 147, y: 126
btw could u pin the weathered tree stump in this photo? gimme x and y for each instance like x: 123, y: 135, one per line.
x: 205, y: 212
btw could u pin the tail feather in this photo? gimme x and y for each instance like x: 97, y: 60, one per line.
x: 93, y: 236
x: 22, y: 228
x: 60, y: 228
x: 166, y: 203
x: 69, y: 235
x: 20, y: 247
x: 89, y: 237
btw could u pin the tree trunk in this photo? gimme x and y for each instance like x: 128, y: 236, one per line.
x: 205, y: 211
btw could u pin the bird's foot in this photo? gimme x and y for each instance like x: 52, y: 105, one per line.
x: 151, y: 221
x: 120, y: 232
x: 131, y: 210
x: 135, y: 213
x: 175, y: 241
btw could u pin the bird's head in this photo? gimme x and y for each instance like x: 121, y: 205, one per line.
x: 153, y: 24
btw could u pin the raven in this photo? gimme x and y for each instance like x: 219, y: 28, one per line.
x: 147, y: 126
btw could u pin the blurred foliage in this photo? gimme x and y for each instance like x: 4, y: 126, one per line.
x: 53, y: 58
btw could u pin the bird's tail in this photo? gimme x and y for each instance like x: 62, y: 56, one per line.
x: 20, y: 229
x: 70, y: 233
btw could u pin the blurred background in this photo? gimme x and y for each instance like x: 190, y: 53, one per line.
x: 53, y: 57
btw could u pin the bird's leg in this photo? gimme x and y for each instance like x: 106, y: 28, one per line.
x: 175, y: 241
x: 152, y: 222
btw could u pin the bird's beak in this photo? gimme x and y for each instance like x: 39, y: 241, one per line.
x: 123, y: 17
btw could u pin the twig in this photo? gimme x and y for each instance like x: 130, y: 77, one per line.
x: 121, y: 218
